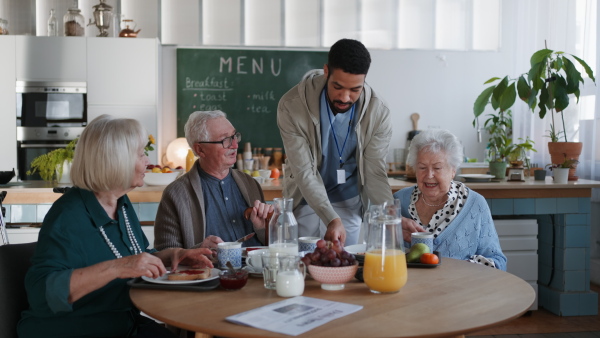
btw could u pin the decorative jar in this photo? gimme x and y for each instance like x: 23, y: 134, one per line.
x: 74, y: 23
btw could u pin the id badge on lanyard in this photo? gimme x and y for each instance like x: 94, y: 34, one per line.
x: 341, y: 176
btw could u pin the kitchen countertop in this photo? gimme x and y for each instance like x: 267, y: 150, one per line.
x: 40, y: 192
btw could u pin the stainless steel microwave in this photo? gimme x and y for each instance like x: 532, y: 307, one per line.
x: 51, y: 104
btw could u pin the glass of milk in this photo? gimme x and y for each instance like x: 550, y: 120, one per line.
x: 290, y: 277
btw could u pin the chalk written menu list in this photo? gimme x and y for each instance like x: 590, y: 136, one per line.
x: 245, y: 84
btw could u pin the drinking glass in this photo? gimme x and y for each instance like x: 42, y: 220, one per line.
x: 271, y: 262
x: 385, y: 261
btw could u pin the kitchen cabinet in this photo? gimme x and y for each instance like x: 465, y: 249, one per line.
x: 123, y: 81
x: 122, y: 71
x: 28, y: 235
x: 519, y: 243
x: 22, y: 235
x: 8, y: 117
x: 43, y: 58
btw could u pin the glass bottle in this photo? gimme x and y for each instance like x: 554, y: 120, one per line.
x: 52, y: 24
x: 283, y: 227
x: 277, y: 157
x: 74, y: 23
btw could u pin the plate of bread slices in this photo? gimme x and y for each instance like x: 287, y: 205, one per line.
x: 185, y: 275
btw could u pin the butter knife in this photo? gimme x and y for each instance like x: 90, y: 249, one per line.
x: 247, y: 237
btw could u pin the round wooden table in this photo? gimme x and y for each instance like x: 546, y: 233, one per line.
x: 453, y: 299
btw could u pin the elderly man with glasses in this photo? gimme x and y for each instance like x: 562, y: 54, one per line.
x: 206, y: 206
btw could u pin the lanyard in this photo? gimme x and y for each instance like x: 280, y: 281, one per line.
x: 340, y: 152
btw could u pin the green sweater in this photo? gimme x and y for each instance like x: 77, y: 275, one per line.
x: 70, y: 239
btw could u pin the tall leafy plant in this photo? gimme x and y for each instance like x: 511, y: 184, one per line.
x: 50, y: 165
x: 545, y: 87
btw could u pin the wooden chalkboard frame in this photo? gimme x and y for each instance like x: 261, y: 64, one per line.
x: 246, y: 84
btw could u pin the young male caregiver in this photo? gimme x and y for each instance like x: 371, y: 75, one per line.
x: 336, y: 132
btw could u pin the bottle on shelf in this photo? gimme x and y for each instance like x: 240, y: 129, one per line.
x: 52, y: 24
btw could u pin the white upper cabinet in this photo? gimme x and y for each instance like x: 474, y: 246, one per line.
x: 122, y: 71
x: 8, y: 115
x: 41, y: 58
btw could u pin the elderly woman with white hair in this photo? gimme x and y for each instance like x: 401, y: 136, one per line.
x: 91, y: 243
x: 458, y: 217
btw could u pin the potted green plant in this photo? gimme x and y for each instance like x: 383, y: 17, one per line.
x: 499, y: 147
x: 52, y: 165
x: 518, y: 154
x: 547, y: 85
x: 562, y: 170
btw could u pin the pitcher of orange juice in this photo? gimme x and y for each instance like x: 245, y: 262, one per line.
x: 385, y: 262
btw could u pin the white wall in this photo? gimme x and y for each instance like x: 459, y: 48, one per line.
x: 440, y: 86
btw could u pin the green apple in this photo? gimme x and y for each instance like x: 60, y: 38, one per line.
x: 416, y: 251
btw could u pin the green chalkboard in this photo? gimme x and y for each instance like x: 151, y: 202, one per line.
x: 245, y: 84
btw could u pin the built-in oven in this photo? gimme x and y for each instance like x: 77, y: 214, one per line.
x: 51, y: 104
x: 49, y: 116
x: 35, y: 141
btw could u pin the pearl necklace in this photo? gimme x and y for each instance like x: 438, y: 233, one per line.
x: 136, y: 247
x: 432, y: 205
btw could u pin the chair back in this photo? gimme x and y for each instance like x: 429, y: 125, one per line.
x: 15, y: 260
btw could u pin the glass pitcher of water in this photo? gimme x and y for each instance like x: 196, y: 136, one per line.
x: 283, y: 227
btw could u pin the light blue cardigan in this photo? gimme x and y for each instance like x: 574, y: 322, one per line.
x: 472, y: 232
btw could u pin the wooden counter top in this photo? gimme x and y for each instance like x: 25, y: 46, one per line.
x: 40, y: 192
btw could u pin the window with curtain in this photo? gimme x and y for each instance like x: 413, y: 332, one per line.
x: 571, y: 27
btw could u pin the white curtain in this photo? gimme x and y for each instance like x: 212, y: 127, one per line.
x: 569, y: 26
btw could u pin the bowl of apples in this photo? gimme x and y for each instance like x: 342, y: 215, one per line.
x: 157, y: 175
x: 331, y: 265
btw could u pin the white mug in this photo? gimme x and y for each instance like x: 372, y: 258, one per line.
x: 254, y: 259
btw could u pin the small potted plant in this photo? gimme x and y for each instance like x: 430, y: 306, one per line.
x: 55, y: 164
x: 518, y: 155
x: 499, y: 127
x: 561, y: 170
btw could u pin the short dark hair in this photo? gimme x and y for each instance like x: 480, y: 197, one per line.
x: 351, y: 56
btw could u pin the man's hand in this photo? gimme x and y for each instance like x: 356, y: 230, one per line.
x: 408, y: 227
x: 260, y: 212
x: 211, y: 242
x: 336, y: 230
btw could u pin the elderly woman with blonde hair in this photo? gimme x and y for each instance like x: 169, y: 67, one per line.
x: 458, y: 217
x: 91, y: 244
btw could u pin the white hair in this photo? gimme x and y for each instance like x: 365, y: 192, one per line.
x: 436, y: 141
x: 195, y: 127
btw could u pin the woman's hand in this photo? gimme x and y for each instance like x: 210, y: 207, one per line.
x: 143, y: 264
x: 260, y: 212
x: 408, y: 227
x: 194, y: 258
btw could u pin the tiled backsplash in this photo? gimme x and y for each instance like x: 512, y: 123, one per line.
x: 35, y: 213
